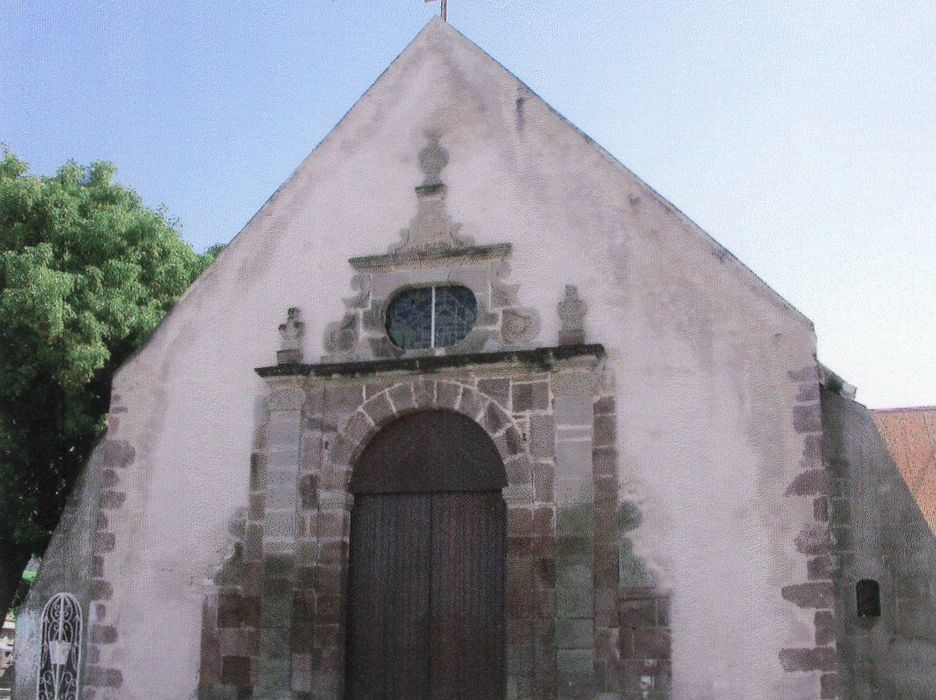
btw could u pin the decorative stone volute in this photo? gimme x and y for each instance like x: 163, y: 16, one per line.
x: 290, y: 352
x: 572, y: 315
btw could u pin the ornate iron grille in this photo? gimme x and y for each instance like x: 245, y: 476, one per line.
x: 60, y: 655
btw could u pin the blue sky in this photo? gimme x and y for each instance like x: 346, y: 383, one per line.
x: 801, y: 135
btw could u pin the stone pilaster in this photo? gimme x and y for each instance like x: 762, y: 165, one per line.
x: 573, y: 394
x: 278, y: 564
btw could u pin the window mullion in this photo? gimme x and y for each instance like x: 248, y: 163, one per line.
x: 432, y: 312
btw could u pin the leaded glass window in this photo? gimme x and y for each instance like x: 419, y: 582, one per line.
x: 431, y: 317
x: 60, y: 654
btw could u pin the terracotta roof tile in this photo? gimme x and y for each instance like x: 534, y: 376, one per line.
x: 910, y: 436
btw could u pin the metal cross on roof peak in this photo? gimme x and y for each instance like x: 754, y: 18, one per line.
x: 442, y: 10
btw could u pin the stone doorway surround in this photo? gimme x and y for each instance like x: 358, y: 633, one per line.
x: 273, y: 620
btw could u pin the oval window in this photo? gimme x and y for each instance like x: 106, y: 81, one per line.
x: 431, y: 317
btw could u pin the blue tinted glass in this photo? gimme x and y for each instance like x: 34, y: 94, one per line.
x: 409, y: 318
x: 456, y: 311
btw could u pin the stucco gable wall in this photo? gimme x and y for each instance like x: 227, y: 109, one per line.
x: 700, y: 353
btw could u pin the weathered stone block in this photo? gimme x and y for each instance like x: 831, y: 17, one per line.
x: 497, y: 389
x: 103, y: 542
x: 332, y: 552
x: 826, y: 567
x: 530, y: 396
x: 604, y: 462
x: 574, y: 633
x: 103, y: 677
x: 809, y: 483
x: 519, y: 521
x: 544, y: 521
x: 236, y: 670
x: 543, y: 482
x: 575, y: 519
x: 448, y: 394
x: 542, y: 436
x: 281, y: 497
x: 341, y: 401
x: 573, y: 601
x: 103, y: 634
x: 519, y: 470
x: 283, y: 429
x: 379, y: 409
x: 544, y: 573
x: 651, y: 643
x: 116, y: 454
x: 574, y: 663
x: 402, y: 397
x: 807, y: 418
x: 828, y: 685
x: 814, y: 539
x: 99, y: 589
x: 605, y: 430
x: 109, y: 479
x: 825, y: 627
x: 806, y: 374
x: 495, y: 418
x: 810, y: 595
x: 818, y: 659
x: 638, y: 613
x: 472, y: 403
x: 514, y: 441
x: 279, y: 523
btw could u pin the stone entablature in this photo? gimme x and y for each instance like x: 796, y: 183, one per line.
x: 273, y: 618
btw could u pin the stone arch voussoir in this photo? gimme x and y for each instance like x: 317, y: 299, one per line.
x: 420, y: 394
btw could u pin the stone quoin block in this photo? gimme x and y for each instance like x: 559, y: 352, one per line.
x: 807, y: 418
x: 816, y: 659
x: 810, y: 595
x: 825, y: 627
x: 99, y: 589
x: 826, y: 567
x: 235, y: 670
x: 828, y: 685
x: 809, y: 483
x: 103, y: 634
x: 806, y: 374
x: 814, y: 539
x: 103, y: 677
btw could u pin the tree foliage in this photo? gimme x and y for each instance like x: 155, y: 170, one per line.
x: 86, y: 274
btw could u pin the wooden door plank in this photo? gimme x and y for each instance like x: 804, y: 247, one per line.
x: 388, y: 597
x: 467, y: 595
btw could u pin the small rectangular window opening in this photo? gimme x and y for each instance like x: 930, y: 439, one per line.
x: 868, y: 598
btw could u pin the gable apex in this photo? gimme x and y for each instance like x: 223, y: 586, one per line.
x: 457, y: 78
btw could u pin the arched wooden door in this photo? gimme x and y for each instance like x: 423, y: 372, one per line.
x: 426, y: 573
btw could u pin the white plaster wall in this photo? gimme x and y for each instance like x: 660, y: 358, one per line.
x: 699, y: 349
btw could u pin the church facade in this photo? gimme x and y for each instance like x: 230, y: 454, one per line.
x: 468, y: 410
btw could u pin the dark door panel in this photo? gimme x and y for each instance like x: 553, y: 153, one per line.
x: 388, y: 597
x: 467, y: 595
x: 427, y: 563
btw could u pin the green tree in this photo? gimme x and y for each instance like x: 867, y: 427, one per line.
x: 86, y: 274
